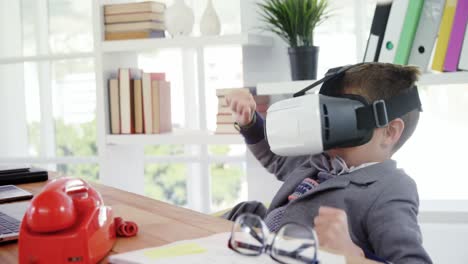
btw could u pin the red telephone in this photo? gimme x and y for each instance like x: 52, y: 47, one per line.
x: 66, y: 223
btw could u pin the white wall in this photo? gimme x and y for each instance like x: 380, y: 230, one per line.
x: 13, y: 135
x: 446, y: 243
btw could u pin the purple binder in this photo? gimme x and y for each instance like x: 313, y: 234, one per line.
x: 456, y: 36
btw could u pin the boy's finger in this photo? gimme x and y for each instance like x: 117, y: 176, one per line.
x: 325, y: 210
x: 247, y: 115
x: 234, y: 106
x: 240, y: 107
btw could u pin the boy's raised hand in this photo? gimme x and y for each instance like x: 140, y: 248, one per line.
x: 242, y: 105
x: 331, y: 226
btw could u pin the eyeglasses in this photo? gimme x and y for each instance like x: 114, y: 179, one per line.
x: 292, y: 244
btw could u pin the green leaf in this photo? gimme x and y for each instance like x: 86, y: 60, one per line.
x: 293, y: 20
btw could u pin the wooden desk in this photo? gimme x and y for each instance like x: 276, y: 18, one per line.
x: 159, y: 223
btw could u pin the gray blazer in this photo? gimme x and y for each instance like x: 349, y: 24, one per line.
x: 380, y: 200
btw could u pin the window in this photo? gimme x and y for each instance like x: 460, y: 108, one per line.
x: 48, y: 87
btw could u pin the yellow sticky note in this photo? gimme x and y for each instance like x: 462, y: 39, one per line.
x: 174, y: 251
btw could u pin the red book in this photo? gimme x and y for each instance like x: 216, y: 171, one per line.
x: 161, y: 106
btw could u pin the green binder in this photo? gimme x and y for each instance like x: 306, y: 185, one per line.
x: 408, y: 32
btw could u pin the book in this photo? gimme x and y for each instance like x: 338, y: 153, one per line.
x: 426, y: 34
x: 226, y: 91
x: 259, y: 99
x: 444, y: 35
x: 126, y: 99
x: 146, y: 80
x: 224, y: 119
x: 206, y: 250
x: 138, y: 26
x: 161, y: 105
x: 463, y: 63
x: 393, y: 30
x: 224, y: 110
x: 226, y: 129
x: 165, y: 117
x: 138, y: 106
x: 379, y: 23
x: 19, y: 177
x: 148, y: 6
x: 456, y: 36
x: 142, y: 34
x: 222, y: 101
x: 114, y: 108
x: 413, y: 13
x: 134, y: 17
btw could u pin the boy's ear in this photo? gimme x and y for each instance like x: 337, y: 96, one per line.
x: 393, y: 131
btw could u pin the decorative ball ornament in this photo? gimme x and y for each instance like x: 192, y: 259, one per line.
x: 179, y: 19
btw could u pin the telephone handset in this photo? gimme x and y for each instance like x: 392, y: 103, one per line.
x: 63, y: 202
x: 66, y: 223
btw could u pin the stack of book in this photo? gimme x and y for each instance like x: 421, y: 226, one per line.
x: 134, y: 20
x: 426, y: 25
x: 139, y: 103
x: 224, y: 118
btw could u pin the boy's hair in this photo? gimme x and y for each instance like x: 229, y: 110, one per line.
x: 376, y: 81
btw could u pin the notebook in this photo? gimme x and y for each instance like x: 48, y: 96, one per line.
x: 18, y: 176
x: 11, y: 215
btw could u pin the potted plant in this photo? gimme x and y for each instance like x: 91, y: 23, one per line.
x: 295, y: 21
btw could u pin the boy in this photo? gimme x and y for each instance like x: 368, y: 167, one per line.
x: 356, y: 199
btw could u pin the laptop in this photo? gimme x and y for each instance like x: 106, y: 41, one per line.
x: 11, y: 215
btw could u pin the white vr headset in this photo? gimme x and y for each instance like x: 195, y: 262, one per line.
x: 310, y: 123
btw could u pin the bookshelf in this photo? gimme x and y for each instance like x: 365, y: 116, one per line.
x: 122, y: 157
x: 186, y: 42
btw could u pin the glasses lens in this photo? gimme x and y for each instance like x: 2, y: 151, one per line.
x: 294, y: 244
x: 248, y: 236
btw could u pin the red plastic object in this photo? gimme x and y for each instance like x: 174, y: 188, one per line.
x: 125, y: 228
x: 66, y: 223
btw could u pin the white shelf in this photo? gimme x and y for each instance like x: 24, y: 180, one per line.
x: 444, y: 78
x: 51, y: 57
x: 180, y: 136
x: 291, y: 87
x: 282, y: 87
x: 185, y: 42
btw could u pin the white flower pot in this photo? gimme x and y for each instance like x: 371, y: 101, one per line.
x: 209, y: 24
x: 179, y: 19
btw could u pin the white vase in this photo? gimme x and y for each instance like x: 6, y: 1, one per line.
x: 209, y: 24
x: 179, y: 19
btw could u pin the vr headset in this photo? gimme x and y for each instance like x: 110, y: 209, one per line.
x: 310, y: 123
